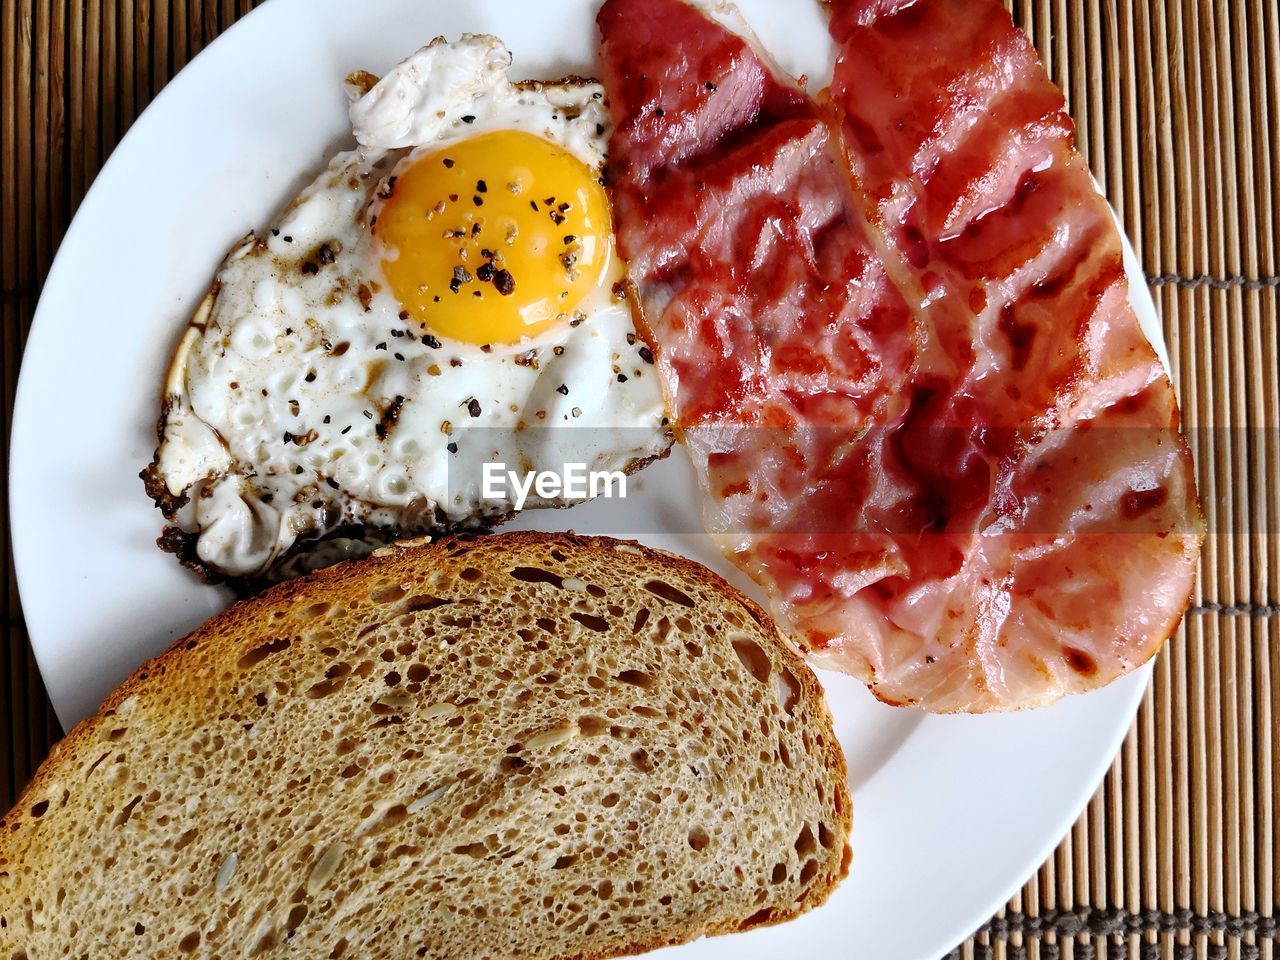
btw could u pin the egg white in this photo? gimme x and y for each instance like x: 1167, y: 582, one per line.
x: 300, y: 404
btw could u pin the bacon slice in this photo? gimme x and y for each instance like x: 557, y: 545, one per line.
x: 775, y: 320
x: 970, y: 490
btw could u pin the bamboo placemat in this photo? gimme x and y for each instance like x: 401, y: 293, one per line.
x: 1177, y: 104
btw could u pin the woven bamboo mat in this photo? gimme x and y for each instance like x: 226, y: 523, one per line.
x: 1177, y: 103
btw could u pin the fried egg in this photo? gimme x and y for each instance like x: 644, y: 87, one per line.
x: 445, y: 295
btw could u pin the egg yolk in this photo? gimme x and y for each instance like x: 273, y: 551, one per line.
x: 494, y: 238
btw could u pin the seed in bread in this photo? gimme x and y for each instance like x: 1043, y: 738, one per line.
x: 525, y: 745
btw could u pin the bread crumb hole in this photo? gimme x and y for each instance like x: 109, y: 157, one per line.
x: 609, y: 800
x: 316, y: 610
x: 666, y: 591
x: 698, y: 839
x: 126, y: 812
x: 387, y: 594
x: 564, y: 862
x: 421, y: 603
x: 591, y: 726
x: 753, y: 658
x: 805, y: 846
x: 779, y: 873
x: 636, y: 678
x: 640, y: 760
x: 825, y: 836
x: 260, y: 653
x: 808, y: 871
x: 323, y: 688
x: 591, y: 621
x: 537, y: 575
x: 296, y: 916
x: 470, y: 574
x: 39, y: 809
x: 189, y: 943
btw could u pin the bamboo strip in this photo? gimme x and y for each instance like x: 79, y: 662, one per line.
x: 24, y: 191
x: 10, y: 99
x: 40, y: 135
x: 112, y: 122
x: 1269, y: 783
x: 208, y: 24
x: 124, y: 39
x: 160, y: 72
x: 178, y: 34
x: 142, y: 27
x: 90, y: 96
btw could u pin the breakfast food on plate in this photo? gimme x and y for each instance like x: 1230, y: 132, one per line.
x: 437, y: 299
x: 529, y: 745
x: 957, y: 470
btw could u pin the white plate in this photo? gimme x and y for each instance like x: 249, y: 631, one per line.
x: 951, y: 813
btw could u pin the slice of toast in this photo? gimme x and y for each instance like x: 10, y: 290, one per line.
x: 522, y: 745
